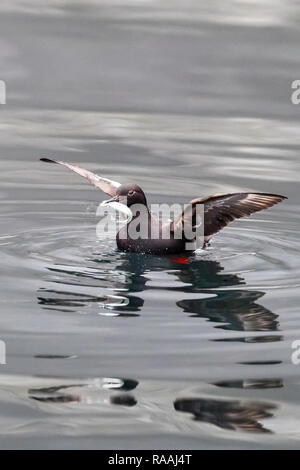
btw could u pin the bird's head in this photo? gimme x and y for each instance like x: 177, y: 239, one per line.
x: 129, y: 194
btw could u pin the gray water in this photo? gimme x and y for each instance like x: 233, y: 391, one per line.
x: 114, y: 350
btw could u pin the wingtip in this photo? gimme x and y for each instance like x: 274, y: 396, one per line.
x: 279, y: 196
x: 272, y: 199
x: 47, y: 160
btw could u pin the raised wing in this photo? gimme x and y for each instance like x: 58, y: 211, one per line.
x: 107, y: 186
x: 221, y: 209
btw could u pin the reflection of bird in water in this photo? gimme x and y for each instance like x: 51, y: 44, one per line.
x: 91, y: 392
x: 234, y: 309
x: 253, y: 384
x: 237, y: 309
x: 63, y: 301
x: 232, y: 415
x: 194, y: 274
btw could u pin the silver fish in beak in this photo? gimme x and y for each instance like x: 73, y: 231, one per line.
x: 117, y: 206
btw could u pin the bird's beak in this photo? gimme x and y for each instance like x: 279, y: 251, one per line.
x: 109, y: 201
x: 119, y: 207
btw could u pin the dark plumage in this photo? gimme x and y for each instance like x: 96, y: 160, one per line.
x: 219, y: 210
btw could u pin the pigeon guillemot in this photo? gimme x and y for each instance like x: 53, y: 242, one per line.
x: 218, y: 210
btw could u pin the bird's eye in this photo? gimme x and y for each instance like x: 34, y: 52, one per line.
x: 131, y: 192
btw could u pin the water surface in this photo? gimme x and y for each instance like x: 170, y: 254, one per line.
x: 114, y: 350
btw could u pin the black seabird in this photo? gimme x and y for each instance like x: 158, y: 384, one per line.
x: 219, y: 211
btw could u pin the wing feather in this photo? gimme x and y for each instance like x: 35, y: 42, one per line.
x: 107, y: 186
x: 221, y: 209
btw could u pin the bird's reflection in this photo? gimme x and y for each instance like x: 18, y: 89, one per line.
x: 59, y: 394
x: 234, y: 309
x: 250, y: 383
x: 231, y: 415
x: 92, y: 392
x: 202, y: 289
x: 62, y: 301
x: 228, y: 304
x: 123, y: 400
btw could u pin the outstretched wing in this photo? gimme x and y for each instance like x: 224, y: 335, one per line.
x: 107, y: 186
x: 221, y: 209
